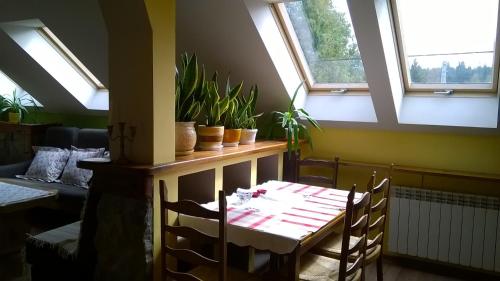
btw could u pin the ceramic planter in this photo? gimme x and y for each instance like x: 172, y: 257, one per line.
x: 210, y: 138
x: 185, y: 138
x: 14, y: 117
x: 248, y: 136
x: 231, y: 137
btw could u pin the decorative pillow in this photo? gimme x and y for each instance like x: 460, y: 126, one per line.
x: 48, y: 163
x: 74, y: 175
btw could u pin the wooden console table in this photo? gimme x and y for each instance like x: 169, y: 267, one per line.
x: 197, y: 177
x: 21, y: 137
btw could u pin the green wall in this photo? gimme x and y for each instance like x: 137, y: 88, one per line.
x: 71, y: 120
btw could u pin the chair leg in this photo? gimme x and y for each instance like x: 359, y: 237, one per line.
x: 363, y: 275
x: 380, y: 272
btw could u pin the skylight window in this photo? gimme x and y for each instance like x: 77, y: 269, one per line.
x: 71, y: 58
x: 448, y: 45
x: 7, y: 88
x: 60, y: 63
x: 322, y: 39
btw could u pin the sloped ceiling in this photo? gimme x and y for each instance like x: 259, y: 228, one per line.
x: 225, y: 39
x: 79, y: 24
x: 220, y: 32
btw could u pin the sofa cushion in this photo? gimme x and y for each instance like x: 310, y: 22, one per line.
x: 63, y: 137
x: 74, y: 175
x: 69, y: 197
x: 93, y: 138
x: 48, y: 163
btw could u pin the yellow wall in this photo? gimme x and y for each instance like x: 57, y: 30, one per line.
x: 471, y: 153
x: 474, y: 153
x: 162, y: 19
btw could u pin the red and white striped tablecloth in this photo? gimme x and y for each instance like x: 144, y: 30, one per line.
x: 278, y: 220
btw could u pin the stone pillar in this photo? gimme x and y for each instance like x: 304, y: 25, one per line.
x: 119, y: 215
x: 141, y: 40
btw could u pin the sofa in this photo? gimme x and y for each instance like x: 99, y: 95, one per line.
x: 70, y: 198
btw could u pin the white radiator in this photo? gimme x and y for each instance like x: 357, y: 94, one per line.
x: 455, y: 228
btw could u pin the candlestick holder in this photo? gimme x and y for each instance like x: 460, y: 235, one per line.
x: 122, y: 137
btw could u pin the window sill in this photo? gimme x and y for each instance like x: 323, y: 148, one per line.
x: 345, y: 108
x: 455, y: 111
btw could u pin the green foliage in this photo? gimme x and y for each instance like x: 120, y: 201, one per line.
x: 249, y: 118
x: 331, y: 30
x: 189, y: 89
x: 416, y: 72
x: 241, y: 112
x: 290, y: 121
x: 215, y: 106
x: 17, y: 104
x: 333, y: 54
x: 461, y: 74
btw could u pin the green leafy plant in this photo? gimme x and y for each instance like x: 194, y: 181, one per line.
x: 290, y: 121
x: 249, y: 116
x: 17, y: 104
x: 215, y: 105
x: 190, y: 83
x: 236, y: 114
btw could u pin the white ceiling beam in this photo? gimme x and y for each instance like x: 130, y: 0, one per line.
x: 376, y: 59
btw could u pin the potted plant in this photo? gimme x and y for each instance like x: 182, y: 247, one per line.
x: 211, y: 133
x: 233, y: 117
x: 16, y: 106
x: 249, y: 124
x: 294, y: 129
x: 188, y: 102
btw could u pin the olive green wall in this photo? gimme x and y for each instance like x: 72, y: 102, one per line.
x: 80, y: 121
x: 448, y: 151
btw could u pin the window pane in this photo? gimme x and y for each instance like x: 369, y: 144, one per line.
x: 326, y: 36
x: 449, y: 41
x: 7, y: 87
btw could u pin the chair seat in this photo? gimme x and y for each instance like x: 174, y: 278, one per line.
x: 207, y: 273
x: 316, y: 267
x: 60, y: 242
x: 332, y: 247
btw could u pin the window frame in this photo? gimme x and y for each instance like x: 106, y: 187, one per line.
x: 293, y: 44
x: 460, y: 89
x: 59, y: 46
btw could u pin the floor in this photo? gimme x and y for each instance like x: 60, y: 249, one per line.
x: 394, y: 271
x: 402, y: 271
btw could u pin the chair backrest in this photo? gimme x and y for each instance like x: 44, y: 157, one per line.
x: 378, y: 210
x: 352, y: 225
x: 331, y: 180
x: 191, y: 208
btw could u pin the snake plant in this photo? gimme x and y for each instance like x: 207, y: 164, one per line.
x: 215, y: 104
x: 249, y: 118
x: 190, y: 83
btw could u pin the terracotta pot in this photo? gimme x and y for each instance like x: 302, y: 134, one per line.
x: 14, y: 117
x: 231, y: 137
x: 185, y: 138
x: 248, y: 136
x: 210, y: 138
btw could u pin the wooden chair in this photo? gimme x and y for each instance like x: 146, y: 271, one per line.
x: 330, y: 181
x: 205, y: 268
x: 379, y: 211
x: 320, y: 267
x: 332, y: 246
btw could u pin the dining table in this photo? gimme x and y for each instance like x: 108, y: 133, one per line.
x: 281, y: 217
